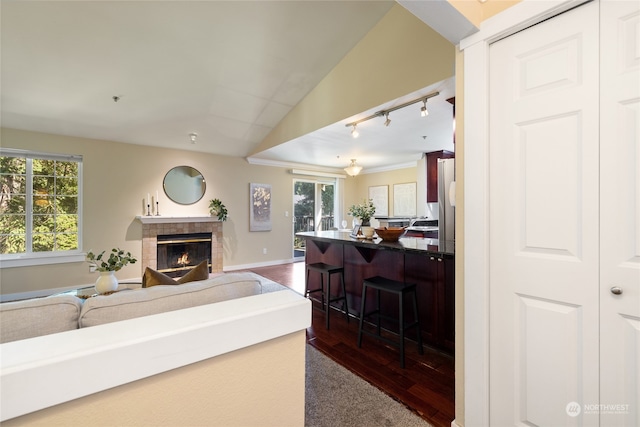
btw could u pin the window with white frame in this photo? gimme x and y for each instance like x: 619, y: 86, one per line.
x: 40, y: 204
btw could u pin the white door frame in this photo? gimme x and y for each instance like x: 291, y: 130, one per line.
x: 476, y: 202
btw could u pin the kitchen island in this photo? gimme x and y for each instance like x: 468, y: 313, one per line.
x: 428, y: 263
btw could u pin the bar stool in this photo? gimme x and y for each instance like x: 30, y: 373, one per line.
x: 400, y: 289
x: 326, y: 299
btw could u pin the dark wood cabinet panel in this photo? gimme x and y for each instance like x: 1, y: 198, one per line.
x: 435, y: 277
x: 432, y: 172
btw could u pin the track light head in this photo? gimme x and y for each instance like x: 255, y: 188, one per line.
x: 423, y: 110
x: 192, y: 137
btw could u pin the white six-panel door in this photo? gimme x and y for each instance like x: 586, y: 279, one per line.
x: 620, y: 214
x: 544, y: 221
x: 564, y: 187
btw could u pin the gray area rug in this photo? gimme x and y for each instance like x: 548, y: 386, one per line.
x: 335, y: 397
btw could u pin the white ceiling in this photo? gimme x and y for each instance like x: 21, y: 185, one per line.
x: 226, y: 70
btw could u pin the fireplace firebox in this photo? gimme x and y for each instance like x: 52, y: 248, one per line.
x: 179, y: 253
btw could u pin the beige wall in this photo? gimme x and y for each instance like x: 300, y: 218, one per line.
x: 116, y: 179
x: 362, y: 182
x: 477, y: 12
x: 259, y: 385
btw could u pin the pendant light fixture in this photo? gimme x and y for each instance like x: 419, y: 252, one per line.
x: 353, y: 169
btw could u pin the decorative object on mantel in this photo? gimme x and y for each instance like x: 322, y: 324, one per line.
x: 217, y: 208
x: 148, y: 203
x: 107, y: 282
x: 152, y: 204
x: 157, y: 205
x: 260, y: 211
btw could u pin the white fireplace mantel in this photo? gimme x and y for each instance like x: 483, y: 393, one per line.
x: 151, y: 219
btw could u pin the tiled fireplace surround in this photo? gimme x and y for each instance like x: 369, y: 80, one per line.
x: 153, y: 226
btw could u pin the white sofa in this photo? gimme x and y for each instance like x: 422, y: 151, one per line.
x: 234, y: 358
x: 59, y: 313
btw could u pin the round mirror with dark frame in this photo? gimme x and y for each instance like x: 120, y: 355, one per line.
x: 184, y: 185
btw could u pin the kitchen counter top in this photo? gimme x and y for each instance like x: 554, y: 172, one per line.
x: 405, y: 244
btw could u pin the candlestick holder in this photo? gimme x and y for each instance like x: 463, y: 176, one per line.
x: 157, y: 209
x: 148, y: 209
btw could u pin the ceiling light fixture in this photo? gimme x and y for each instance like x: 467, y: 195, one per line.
x: 423, y: 110
x: 192, y: 137
x: 354, y: 131
x: 353, y: 169
x: 385, y: 113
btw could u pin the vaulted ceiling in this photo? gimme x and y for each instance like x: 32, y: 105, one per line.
x: 151, y: 73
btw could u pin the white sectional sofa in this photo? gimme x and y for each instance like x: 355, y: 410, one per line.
x: 59, y: 313
x: 233, y: 344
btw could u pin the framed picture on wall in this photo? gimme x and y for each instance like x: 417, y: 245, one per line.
x: 380, y: 196
x: 260, y: 207
x: 404, y: 199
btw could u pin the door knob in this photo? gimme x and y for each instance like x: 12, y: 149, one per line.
x: 616, y: 290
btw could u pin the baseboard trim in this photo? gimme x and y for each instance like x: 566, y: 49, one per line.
x: 261, y: 264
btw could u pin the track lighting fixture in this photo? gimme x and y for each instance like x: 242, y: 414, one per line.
x: 353, y: 169
x: 385, y: 113
x: 354, y: 131
x: 192, y: 137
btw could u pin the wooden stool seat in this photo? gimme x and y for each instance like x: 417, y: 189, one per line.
x: 326, y: 298
x: 400, y: 289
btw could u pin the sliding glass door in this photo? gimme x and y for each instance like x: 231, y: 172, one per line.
x: 313, y: 210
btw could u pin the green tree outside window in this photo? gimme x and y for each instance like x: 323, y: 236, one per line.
x: 39, y: 203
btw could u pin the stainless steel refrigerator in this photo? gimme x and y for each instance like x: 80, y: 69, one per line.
x: 446, y: 199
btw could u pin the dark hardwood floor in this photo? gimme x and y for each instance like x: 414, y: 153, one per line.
x: 426, y: 385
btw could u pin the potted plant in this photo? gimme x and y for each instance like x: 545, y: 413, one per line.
x: 364, y: 211
x: 217, y: 208
x: 107, y: 282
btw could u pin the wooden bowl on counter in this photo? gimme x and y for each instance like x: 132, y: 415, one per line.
x: 390, y: 234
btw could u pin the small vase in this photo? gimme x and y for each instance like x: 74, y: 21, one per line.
x: 368, y: 232
x: 107, y: 282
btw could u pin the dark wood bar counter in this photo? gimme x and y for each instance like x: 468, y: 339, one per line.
x: 428, y: 263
